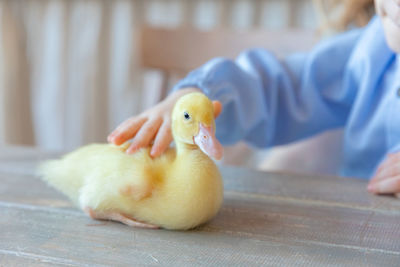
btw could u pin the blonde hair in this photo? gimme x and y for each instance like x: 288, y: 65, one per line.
x: 340, y: 15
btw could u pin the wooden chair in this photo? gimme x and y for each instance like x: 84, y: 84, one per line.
x: 178, y: 51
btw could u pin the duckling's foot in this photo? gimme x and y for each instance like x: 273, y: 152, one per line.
x: 119, y: 217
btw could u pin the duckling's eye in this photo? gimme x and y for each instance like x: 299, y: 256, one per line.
x: 186, y: 115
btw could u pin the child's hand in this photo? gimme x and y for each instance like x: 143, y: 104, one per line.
x: 389, y: 9
x: 387, y: 177
x: 151, y: 125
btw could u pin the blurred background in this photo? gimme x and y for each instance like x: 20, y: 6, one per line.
x: 71, y: 71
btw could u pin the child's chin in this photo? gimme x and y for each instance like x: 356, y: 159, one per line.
x: 392, y: 35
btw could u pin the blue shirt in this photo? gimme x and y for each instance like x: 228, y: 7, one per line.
x: 351, y: 81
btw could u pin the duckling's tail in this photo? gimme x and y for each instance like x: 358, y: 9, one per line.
x: 61, y: 175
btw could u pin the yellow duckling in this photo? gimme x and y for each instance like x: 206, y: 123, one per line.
x: 180, y: 189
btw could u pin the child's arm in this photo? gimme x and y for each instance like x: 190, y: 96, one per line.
x: 387, y: 177
x: 151, y: 125
x: 268, y: 101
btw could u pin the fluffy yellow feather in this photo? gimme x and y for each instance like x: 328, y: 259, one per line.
x: 181, y: 189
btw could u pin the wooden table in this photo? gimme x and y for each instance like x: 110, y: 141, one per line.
x: 266, y: 219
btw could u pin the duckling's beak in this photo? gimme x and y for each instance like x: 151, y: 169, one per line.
x: 208, y: 143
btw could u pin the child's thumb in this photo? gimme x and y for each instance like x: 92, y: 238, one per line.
x: 217, y: 108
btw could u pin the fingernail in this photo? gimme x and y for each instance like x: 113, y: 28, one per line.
x: 131, y: 150
x: 112, y: 137
x: 371, y: 188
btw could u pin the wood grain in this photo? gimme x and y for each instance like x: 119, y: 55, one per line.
x: 19, y: 258
x: 313, y: 189
x: 75, y: 238
x: 266, y: 219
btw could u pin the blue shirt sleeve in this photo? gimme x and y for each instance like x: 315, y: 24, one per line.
x: 267, y: 101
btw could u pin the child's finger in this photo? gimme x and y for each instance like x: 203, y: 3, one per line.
x: 390, y: 160
x: 126, y: 130
x: 386, y: 186
x: 163, y: 139
x: 389, y: 170
x: 145, y: 135
x: 217, y: 108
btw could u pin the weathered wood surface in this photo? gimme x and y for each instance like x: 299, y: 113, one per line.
x: 267, y: 219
